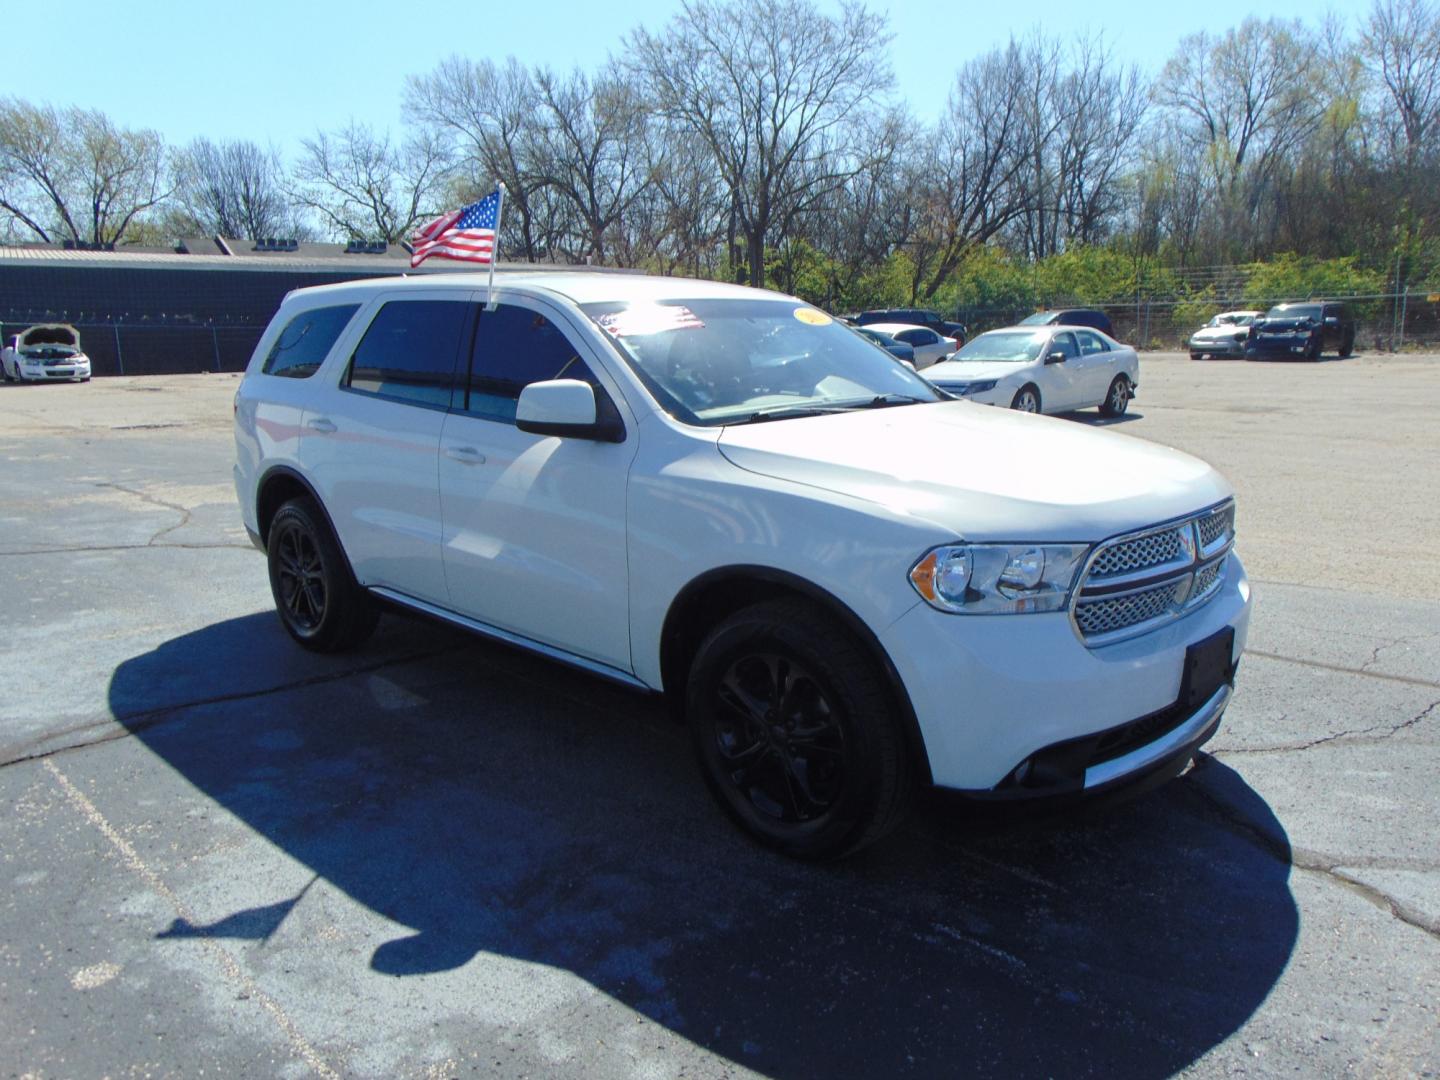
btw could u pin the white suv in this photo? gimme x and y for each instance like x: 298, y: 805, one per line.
x: 849, y: 584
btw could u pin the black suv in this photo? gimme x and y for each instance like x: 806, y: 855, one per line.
x: 1305, y: 329
x: 915, y: 317
x: 1096, y: 320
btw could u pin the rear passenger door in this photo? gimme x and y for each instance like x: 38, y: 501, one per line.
x: 370, y: 440
x: 534, y: 534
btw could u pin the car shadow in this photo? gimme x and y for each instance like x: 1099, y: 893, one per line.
x: 1096, y: 419
x: 488, y: 802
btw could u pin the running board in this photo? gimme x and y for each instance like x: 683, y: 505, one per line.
x: 594, y: 667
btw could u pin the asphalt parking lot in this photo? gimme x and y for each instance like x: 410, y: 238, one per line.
x: 439, y: 857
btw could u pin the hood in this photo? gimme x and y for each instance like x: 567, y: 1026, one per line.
x: 968, y: 371
x: 51, y: 334
x: 981, y: 473
x: 1272, y: 325
x: 1220, y: 333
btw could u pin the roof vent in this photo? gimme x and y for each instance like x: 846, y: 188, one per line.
x: 366, y: 247
x: 275, y: 244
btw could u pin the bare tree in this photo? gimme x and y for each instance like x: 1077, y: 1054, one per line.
x: 364, y: 187
x: 1245, y: 102
x: 968, y: 186
x: 232, y: 189
x: 74, y: 174
x: 775, y: 89
x: 1401, y: 44
x: 592, y: 148
x: 486, y: 115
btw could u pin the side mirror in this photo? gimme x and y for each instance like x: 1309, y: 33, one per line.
x: 568, y: 408
x: 1056, y: 357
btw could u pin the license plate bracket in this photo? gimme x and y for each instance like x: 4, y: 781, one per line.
x: 1208, y: 666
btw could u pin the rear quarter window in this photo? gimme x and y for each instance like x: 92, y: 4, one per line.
x: 306, y: 340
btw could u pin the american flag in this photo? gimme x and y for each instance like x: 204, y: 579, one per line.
x: 467, y: 234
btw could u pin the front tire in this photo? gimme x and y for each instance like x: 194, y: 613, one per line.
x: 1027, y: 399
x: 1347, y: 347
x: 1117, y: 398
x: 794, y: 731
x: 319, y: 602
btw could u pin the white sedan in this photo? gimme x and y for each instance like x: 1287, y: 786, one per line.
x: 930, y: 347
x: 1045, y: 369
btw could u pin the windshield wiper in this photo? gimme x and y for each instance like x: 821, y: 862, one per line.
x: 881, y: 400
x: 786, y: 412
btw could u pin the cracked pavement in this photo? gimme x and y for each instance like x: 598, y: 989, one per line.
x: 439, y: 857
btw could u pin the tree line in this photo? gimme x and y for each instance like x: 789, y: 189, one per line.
x: 762, y: 142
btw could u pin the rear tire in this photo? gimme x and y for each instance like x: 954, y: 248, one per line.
x: 317, y: 597
x: 794, y: 730
x: 1027, y: 399
x: 1117, y: 398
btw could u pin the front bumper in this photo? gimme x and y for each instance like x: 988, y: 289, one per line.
x: 992, y: 692
x: 1217, y: 347
x: 54, y: 372
x: 1286, y: 345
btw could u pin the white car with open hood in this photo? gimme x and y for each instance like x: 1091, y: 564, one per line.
x: 848, y: 584
x: 46, y: 353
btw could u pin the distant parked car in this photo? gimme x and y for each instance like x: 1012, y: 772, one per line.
x: 897, y: 349
x: 1039, y: 369
x: 1096, y: 320
x: 1224, y: 335
x: 1302, y: 330
x: 931, y: 320
x: 928, y: 346
x: 45, y: 353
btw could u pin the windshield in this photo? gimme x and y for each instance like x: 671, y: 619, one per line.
x: 1015, y: 346
x: 713, y: 362
x: 1231, y: 320
x: 1294, y: 311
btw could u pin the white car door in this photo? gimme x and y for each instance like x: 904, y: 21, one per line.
x: 1059, y: 380
x: 534, y: 533
x: 370, y: 440
x: 1096, y: 366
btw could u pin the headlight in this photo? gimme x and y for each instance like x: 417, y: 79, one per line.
x: 998, y: 579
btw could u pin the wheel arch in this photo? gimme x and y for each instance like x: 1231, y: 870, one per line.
x: 721, y: 592
x: 278, y: 485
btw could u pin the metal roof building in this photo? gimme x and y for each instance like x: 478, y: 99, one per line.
x: 199, y: 306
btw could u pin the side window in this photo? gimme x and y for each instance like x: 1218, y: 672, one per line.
x: 513, y: 348
x: 926, y: 337
x: 1065, y: 343
x: 1091, y: 343
x: 408, y: 353
x: 306, y: 340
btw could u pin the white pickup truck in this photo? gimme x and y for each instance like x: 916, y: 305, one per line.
x: 849, y: 584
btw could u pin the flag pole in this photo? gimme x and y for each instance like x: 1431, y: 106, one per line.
x: 495, y: 248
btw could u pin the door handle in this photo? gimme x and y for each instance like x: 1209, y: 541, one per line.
x: 466, y: 455
x: 320, y: 424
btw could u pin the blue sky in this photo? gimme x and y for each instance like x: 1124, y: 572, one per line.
x: 276, y: 71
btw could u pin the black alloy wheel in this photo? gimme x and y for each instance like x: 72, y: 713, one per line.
x: 319, y: 602
x: 778, y: 738
x: 300, y: 577
x: 794, y: 731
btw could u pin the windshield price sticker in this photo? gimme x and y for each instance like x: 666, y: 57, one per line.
x: 810, y: 317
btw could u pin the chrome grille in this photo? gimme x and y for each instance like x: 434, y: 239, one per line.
x: 1139, y: 554
x: 1219, y: 524
x: 1135, y: 582
x: 1117, y: 613
x: 1205, y: 579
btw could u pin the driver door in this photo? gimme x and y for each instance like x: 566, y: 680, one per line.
x: 533, y: 525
